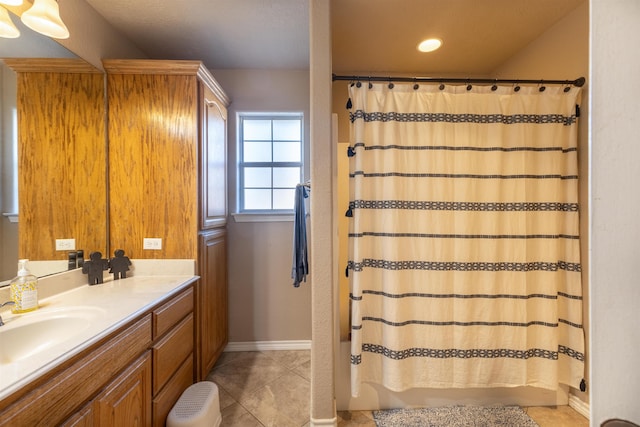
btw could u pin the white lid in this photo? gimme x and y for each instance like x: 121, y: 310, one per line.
x: 22, y: 268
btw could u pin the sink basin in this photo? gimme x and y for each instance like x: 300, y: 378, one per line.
x: 32, y: 333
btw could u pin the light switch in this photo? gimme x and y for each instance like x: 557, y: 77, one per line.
x: 150, y: 243
x: 65, y: 244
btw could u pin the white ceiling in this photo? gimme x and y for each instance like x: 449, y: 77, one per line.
x: 368, y: 35
x: 220, y: 33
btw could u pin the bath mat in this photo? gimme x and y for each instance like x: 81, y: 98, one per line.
x: 455, y: 416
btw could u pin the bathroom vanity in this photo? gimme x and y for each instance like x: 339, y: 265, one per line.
x: 120, y: 353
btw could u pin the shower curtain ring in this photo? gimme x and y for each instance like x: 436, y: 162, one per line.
x: 415, y: 84
x: 542, y: 87
x: 370, y: 84
x: 516, y: 88
x: 469, y: 86
x: 390, y: 85
x: 495, y: 85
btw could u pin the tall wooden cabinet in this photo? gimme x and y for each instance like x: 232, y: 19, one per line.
x: 167, y: 178
x: 61, y: 146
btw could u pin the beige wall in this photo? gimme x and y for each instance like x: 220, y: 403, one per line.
x: 615, y: 203
x: 8, y: 174
x: 92, y: 37
x: 562, y: 52
x: 263, y: 304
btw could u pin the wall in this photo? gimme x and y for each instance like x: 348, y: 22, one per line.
x: 615, y: 203
x: 549, y: 57
x: 263, y: 304
x: 8, y: 174
x: 92, y: 37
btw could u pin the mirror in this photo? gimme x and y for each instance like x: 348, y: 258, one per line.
x: 65, y: 184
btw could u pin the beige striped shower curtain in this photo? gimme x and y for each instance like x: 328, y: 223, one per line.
x: 464, y: 259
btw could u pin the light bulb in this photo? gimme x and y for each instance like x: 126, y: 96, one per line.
x: 44, y: 17
x: 429, y: 45
x: 7, y: 28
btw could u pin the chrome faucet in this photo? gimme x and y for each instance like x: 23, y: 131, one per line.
x: 2, y: 305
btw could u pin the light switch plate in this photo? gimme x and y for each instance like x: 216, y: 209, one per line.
x: 65, y: 244
x: 150, y: 243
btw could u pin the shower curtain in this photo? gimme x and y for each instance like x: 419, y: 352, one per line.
x: 464, y: 258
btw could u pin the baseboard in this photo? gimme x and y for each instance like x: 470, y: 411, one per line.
x: 324, y: 422
x: 579, y: 405
x: 268, y: 345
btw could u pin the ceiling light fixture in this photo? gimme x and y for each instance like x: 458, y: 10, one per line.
x: 8, y: 29
x: 11, y: 2
x: 44, y: 17
x: 429, y: 45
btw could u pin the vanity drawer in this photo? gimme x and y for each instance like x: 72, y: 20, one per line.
x: 170, y: 394
x: 168, y: 314
x: 171, y: 351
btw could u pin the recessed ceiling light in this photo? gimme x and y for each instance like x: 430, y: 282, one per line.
x: 429, y: 45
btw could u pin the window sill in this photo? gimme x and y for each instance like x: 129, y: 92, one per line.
x: 263, y: 217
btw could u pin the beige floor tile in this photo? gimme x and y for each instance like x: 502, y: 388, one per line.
x: 556, y: 416
x: 244, y: 375
x: 304, y: 370
x: 289, y: 358
x: 355, y: 418
x: 225, y: 398
x: 236, y: 416
x: 281, y: 403
x: 234, y: 356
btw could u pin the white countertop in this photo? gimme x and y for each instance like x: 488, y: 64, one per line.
x: 112, y: 304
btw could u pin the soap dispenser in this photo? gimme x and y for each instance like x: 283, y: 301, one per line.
x: 24, y: 289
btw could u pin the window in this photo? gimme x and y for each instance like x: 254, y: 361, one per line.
x: 270, y: 162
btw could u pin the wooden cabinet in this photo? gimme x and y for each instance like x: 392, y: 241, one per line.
x: 132, y: 378
x: 168, y: 178
x: 167, y: 155
x: 126, y: 401
x: 61, y: 145
x: 213, y: 160
x: 211, y: 312
x: 172, y: 353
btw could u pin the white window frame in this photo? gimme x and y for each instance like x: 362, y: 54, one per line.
x: 264, y: 215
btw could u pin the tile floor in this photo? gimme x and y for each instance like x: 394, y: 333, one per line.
x: 271, y: 389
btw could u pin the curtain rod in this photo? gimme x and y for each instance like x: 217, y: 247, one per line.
x: 579, y: 82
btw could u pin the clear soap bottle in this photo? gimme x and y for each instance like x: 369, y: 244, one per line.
x: 24, y: 289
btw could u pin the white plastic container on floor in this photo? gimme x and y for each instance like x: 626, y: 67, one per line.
x: 198, y: 406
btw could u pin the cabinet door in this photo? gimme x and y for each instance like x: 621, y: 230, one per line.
x: 126, y: 401
x: 82, y: 418
x: 212, y: 303
x: 213, y: 160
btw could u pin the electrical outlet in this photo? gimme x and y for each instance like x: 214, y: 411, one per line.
x: 154, y: 244
x: 65, y: 244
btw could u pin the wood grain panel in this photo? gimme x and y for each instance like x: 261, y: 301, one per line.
x: 62, y: 163
x: 171, y: 351
x: 127, y: 399
x: 212, y: 315
x: 167, y: 67
x: 50, y: 65
x: 82, y: 418
x: 152, y: 163
x: 213, y: 161
x: 50, y: 403
x: 164, y: 401
x: 166, y: 316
